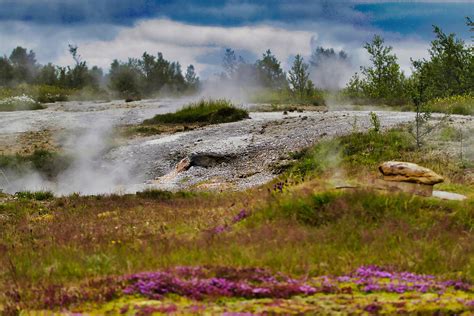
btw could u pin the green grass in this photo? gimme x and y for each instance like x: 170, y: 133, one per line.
x: 47, y: 163
x: 458, y: 104
x: 356, y: 150
x: 38, y: 195
x: 278, y: 97
x: 204, y: 111
x: 306, y: 228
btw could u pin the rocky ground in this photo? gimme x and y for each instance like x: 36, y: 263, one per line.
x: 242, y: 154
x: 226, y: 156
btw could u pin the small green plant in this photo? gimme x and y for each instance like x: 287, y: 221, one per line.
x: 375, y: 122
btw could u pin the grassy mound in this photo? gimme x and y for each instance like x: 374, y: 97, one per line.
x: 204, y: 111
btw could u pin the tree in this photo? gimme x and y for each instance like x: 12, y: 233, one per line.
x: 24, y: 64
x: 270, y: 73
x: 125, y: 79
x: 229, y: 62
x: 384, y: 77
x: 329, y: 68
x: 383, y: 81
x: 299, y: 77
x: 6, y: 71
x: 79, y: 76
x: 74, y: 53
x: 470, y: 23
x: 321, y: 55
x: 450, y: 69
x: 48, y: 75
x: 192, y: 80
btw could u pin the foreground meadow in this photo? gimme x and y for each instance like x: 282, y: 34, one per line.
x: 296, y: 245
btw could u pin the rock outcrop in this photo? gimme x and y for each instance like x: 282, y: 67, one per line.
x: 408, y: 177
x: 409, y: 172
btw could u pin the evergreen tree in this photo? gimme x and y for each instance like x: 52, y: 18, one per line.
x: 48, y: 75
x: 299, y: 77
x: 6, y: 71
x: 192, y: 80
x: 230, y: 62
x: 24, y: 65
x: 270, y: 73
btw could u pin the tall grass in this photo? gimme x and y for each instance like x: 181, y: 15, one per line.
x: 458, y: 104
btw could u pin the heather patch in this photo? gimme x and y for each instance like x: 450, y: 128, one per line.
x: 194, y: 290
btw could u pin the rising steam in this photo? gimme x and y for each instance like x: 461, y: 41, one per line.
x: 90, y: 172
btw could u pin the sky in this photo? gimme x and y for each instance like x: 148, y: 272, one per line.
x: 198, y: 31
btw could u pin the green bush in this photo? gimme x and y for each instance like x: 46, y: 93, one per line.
x: 204, y: 111
x: 49, y: 94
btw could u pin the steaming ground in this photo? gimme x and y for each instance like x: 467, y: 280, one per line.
x: 227, y: 156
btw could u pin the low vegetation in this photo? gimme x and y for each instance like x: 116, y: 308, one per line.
x: 458, y: 104
x: 19, y: 103
x: 47, y: 163
x: 70, y: 252
x: 202, y: 112
x: 286, y: 97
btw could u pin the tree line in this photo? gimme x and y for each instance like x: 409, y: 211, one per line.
x: 448, y: 71
x: 133, y: 79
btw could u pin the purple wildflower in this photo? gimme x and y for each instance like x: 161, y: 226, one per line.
x: 373, y: 308
x: 243, y: 214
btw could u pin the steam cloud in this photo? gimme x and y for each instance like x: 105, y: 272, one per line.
x: 90, y: 171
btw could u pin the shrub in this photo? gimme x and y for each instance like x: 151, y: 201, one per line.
x: 50, y: 94
x: 204, y: 111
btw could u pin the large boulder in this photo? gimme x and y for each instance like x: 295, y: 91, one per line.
x: 409, y: 172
